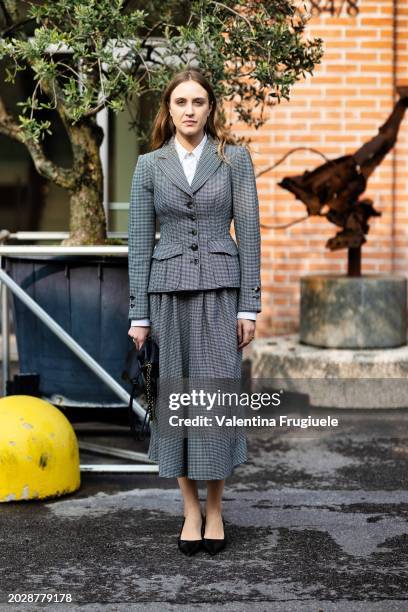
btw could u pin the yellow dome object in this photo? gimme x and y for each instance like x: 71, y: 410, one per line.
x: 39, y: 455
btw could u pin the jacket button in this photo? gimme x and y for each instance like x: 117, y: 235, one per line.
x: 194, y: 247
x: 194, y: 231
x: 190, y: 204
x: 196, y: 261
x: 132, y: 297
x: 193, y: 217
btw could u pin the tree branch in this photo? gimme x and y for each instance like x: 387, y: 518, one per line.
x: 60, y: 176
x: 53, y: 91
x: 10, y: 11
x: 15, y: 26
x: 231, y: 10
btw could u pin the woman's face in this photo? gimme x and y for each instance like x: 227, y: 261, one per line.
x: 189, y: 108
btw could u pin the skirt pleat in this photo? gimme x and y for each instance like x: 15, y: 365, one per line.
x: 196, y: 332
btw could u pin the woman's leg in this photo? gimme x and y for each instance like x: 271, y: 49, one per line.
x: 192, y: 509
x: 213, y: 510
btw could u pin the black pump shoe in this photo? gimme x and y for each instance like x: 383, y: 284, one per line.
x: 214, y: 545
x: 190, y: 547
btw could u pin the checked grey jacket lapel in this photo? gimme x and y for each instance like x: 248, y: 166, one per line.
x: 168, y: 160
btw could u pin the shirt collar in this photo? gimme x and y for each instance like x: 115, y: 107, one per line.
x: 182, y: 152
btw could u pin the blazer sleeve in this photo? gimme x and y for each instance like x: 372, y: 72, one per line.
x: 141, y: 237
x: 247, y: 229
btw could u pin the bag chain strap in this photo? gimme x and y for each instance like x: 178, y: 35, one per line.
x: 149, y: 395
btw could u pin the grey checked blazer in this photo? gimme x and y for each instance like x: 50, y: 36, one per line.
x: 195, y: 250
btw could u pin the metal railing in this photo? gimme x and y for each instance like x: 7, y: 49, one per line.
x: 8, y: 284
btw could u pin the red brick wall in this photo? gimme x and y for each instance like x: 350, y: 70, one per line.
x: 336, y: 110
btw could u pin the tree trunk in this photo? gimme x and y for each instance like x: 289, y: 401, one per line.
x: 87, y: 219
x: 87, y: 216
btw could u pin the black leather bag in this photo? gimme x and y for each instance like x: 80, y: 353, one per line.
x: 142, y: 371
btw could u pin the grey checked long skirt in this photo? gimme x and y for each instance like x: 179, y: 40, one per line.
x: 196, y: 332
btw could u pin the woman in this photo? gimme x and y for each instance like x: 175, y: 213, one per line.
x: 197, y: 292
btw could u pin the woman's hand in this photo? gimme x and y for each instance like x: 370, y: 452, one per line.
x: 138, y: 335
x: 245, y: 331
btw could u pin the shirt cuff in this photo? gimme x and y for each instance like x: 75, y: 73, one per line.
x: 247, y: 315
x: 140, y: 322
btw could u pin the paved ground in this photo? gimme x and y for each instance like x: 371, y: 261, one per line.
x: 315, y: 524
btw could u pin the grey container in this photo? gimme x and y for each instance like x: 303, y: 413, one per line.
x: 89, y: 298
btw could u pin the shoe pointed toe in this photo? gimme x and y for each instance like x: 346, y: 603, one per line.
x: 214, y: 546
x: 189, y: 547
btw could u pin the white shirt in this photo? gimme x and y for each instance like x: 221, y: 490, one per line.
x: 189, y: 160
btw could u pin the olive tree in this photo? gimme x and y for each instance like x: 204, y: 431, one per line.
x: 252, y: 51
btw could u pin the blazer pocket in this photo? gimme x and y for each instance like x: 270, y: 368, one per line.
x: 224, y: 260
x: 165, y: 270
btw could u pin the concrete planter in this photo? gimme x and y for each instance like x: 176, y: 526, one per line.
x: 353, y: 312
x: 331, y: 378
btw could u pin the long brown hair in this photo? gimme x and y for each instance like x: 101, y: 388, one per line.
x: 163, y: 126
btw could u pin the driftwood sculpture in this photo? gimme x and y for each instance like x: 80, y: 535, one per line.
x: 333, y: 189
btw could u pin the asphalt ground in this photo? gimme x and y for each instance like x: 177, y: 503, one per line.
x: 315, y: 523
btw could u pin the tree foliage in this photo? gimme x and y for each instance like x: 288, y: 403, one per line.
x: 253, y: 51
x: 86, y: 55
